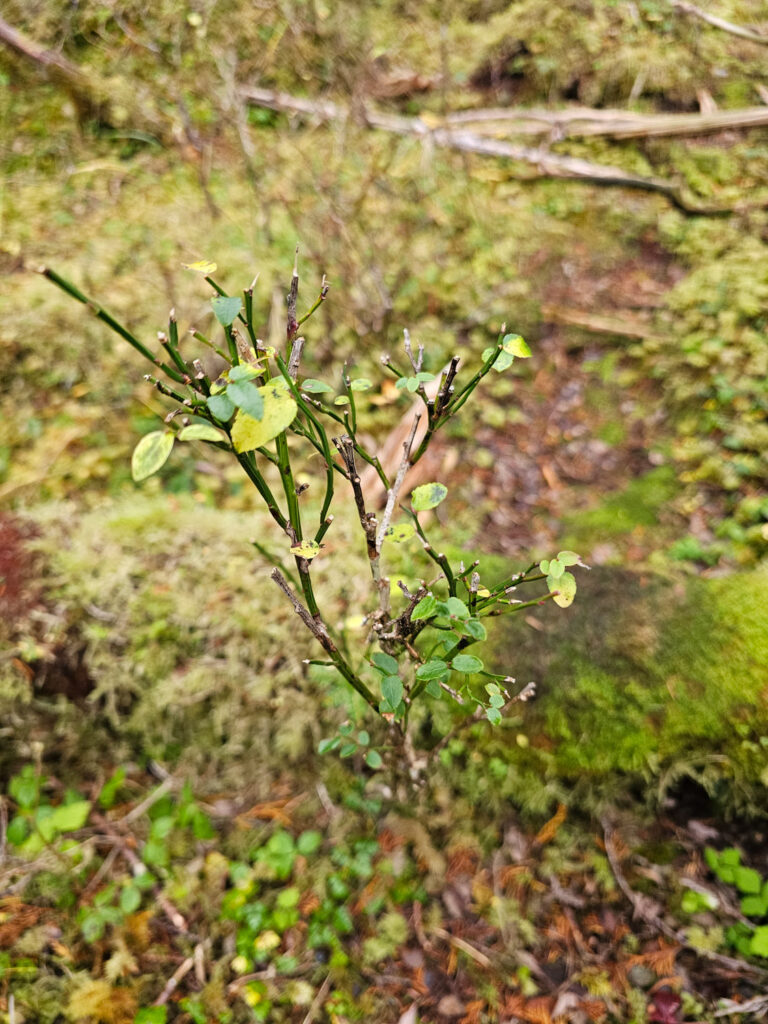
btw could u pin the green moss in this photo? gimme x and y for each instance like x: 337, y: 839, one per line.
x: 638, y: 504
x: 641, y: 682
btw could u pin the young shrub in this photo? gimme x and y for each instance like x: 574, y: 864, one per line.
x: 431, y: 647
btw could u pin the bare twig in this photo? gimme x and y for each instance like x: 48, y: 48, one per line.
x: 150, y: 801
x: 418, y: 361
x: 293, y: 324
x: 398, y: 483
x: 317, y: 1002
x: 172, y: 984
x: 293, y: 363
x: 726, y: 26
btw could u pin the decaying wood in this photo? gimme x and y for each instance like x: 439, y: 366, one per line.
x: 544, y: 164
x: 727, y: 26
x: 584, y: 122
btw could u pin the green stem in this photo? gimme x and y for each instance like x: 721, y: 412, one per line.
x: 100, y: 313
x: 248, y: 463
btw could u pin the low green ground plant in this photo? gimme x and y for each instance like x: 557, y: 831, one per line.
x: 256, y: 407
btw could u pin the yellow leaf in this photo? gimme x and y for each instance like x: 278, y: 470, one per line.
x: 201, y: 266
x: 306, y: 549
x: 279, y: 412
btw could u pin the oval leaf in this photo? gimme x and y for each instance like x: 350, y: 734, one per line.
x: 306, y: 549
x: 385, y: 663
x: 200, y: 432
x: 425, y: 609
x: 392, y: 690
x: 428, y: 496
x: 566, y: 587
x: 502, y: 362
x: 434, y: 669
x: 221, y: 407
x: 514, y: 345
x: 279, y: 412
x: 226, y: 308
x: 373, y: 759
x: 400, y: 532
x: 362, y: 384
x: 201, y: 266
x: 467, y: 663
x: 246, y: 397
x: 150, y: 454
x: 568, y: 558
x: 315, y: 387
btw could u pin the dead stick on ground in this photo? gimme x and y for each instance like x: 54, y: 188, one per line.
x: 172, y: 984
x: 317, y: 1002
x: 545, y: 163
x: 727, y: 26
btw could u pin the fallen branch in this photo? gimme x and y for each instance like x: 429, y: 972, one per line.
x: 544, y: 163
x: 727, y: 26
x: 582, y: 122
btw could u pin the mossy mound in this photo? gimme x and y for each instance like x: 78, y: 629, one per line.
x: 644, y: 683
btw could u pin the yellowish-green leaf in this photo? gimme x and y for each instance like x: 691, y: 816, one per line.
x: 279, y: 412
x: 428, y: 496
x: 565, y: 586
x: 150, y: 454
x: 514, y: 345
x: 306, y: 549
x: 400, y: 532
x: 200, y: 432
x: 201, y: 266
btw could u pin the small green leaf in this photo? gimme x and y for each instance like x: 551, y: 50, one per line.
x: 70, y: 817
x: 493, y: 715
x: 467, y: 663
x: 361, y: 384
x: 341, y: 400
x: 385, y: 663
x: 475, y: 629
x: 434, y: 669
x: 754, y: 906
x: 347, y: 750
x: 748, y: 880
x: 556, y: 569
x: 400, y: 532
x: 373, y: 759
x: 363, y: 738
x: 306, y: 549
x: 758, y: 945
x: 496, y: 700
x: 433, y: 688
x: 425, y: 609
x: 568, y: 558
x: 130, y: 899
x: 455, y: 608
x: 308, y: 842
x: 566, y: 587
x: 327, y: 745
x: 730, y: 856
x: 424, y: 378
x: 247, y: 397
x: 243, y: 372
x: 392, y: 690
x: 150, y: 454
x: 200, y: 432
x: 502, y: 362
x: 221, y: 407
x: 544, y: 566
x: 152, y: 1015
x: 17, y: 831
x: 315, y: 387
x: 515, y: 346
x: 711, y: 857
x: 412, y: 384
x: 226, y: 309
